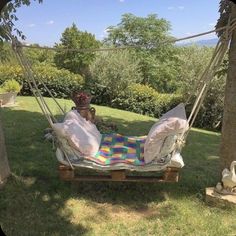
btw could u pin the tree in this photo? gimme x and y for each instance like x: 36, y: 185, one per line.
x: 36, y: 55
x: 228, y: 142
x: 3, y: 4
x: 10, y: 17
x: 112, y: 72
x: 6, y: 54
x: 76, y: 62
x: 144, y: 32
x: 4, y: 166
x: 145, y: 35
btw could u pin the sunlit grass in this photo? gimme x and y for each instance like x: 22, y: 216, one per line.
x: 36, y: 202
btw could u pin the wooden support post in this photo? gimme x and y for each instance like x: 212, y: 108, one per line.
x: 66, y: 173
x: 118, y: 175
x: 4, y: 166
x: 171, y: 175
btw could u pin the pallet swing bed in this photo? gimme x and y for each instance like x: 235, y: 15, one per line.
x: 117, y: 154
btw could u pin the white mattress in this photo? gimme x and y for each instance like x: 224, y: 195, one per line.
x: 175, y: 160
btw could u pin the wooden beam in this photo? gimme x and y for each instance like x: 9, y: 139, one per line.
x: 169, y: 175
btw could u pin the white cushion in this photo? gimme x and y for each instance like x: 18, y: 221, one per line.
x: 171, y: 124
x: 81, y: 134
x: 176, y: 161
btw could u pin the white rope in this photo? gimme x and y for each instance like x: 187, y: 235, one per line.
x: 205, y: 79
x: 43, y: 105
x: 44, y: 85
x: 127, y: 47
x: 208, y: 74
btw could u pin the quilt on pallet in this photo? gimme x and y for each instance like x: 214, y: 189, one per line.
x: 116, y: 148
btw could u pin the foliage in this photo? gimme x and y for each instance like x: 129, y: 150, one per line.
x: 60, y: 82
x: 10, y: 86
x: 224, y: 10
x: 76, y: 62
x: 145, y: 100
x: 9, y: 15
x: 111, y: 73
x: 144, y: 34
x: 224, y: 67
x: 36, y: 55
x: 5, y: 55
x: 163, y: 74
x: 211, y: 113
x: 194, y: 60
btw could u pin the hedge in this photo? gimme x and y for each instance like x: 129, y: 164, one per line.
x: 60, y: 82
x: 145, y: 100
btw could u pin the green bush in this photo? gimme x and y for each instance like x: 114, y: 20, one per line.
x: 145, y: 100
x: 111, y: 73
x: 10, y: 86
x: 60, y: 82
x: 211, y: 113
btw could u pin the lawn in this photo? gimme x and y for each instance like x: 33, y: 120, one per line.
x: 36, y: 202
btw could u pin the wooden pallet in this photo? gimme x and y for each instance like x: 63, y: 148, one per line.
x: 168, y: 175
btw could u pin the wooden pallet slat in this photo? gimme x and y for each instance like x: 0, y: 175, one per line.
x: 67, y: 174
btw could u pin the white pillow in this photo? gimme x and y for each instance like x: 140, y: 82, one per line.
x: 81, y: 134
x: 172, y: 123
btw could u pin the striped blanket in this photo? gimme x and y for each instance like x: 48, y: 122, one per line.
x: 115, y: 149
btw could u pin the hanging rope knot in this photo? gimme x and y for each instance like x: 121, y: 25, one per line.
x: 180, y: 143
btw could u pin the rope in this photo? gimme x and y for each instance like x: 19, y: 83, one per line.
x: 44, y: 85
x: 208, y: 74
x: 200, y: 81
x: 27, y: 74
x: 30, y: 79
x: 127, y: 47
x: 204, y: 80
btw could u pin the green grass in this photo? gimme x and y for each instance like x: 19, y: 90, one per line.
x: 36, y: 202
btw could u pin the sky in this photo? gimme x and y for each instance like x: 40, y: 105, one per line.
x: 44, y: 23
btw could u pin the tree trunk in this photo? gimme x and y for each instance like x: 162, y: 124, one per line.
x: 3, y: 3
x: 228, y: 143
x: 4, y: 167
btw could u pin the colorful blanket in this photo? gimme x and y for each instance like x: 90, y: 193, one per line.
x: 116, y: 148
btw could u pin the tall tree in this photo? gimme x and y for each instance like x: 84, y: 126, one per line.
x: 113, y: 72
x: 76, y: 62
x: 228, y: 143
x: 145, y: 35
x: 8, y: 16
x: 3, y: 4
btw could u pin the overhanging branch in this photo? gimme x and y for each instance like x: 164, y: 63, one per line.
x: 3, y: 3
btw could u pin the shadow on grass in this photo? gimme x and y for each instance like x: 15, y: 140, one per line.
x: 34, y: 200
x: 125, y: 127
